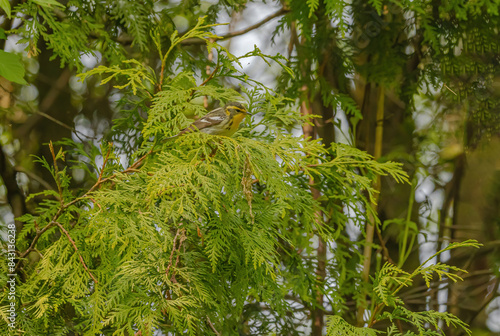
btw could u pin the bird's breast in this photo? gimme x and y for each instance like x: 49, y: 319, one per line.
x: 236, y: 121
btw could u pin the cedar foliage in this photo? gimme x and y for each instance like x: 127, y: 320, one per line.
x: 212, y: 235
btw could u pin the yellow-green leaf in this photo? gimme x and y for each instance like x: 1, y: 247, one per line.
x: 48, y: 3
x: 11, y: 67
x: 5, y: 5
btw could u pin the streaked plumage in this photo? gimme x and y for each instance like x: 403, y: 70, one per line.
x: 221, y: 121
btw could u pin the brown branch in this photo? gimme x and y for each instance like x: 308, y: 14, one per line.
x: 139, y: 333
x: 385, y: 251
x: 76, y: 250
x: 104, y: 162
x: 209, y: 77
x: 173, y: 251
x: 307, y: 129
x: 131, y: 169
x: 63, y: 207
x: 280, y: 12
x: 211, y: 155
x: 94, y: 201
x: 212, y: 326
x: 33, y: 242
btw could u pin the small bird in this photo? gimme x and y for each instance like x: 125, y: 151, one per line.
x: 221, y: 121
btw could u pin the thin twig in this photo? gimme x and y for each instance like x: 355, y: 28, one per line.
x: 210, y: 76
x: 94, y: 201
x: 173, y: 251
x: 212, y: 326
x: 282, y: 11
x: 61, y: 200
x: 60, y: 123
x: 33, y: 176
x: 40, y: 253
x: 162, y: 70
x: 131, y: 169
x: 45, y: 105
x: 446, y: 86
x: 63, y: 207
x: 182, y: 238
x: 33, y: 242
x: 104, y: 162
x: 76, y: 250
x: 385, y: 251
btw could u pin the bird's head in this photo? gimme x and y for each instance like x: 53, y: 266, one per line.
x: 234, y: 108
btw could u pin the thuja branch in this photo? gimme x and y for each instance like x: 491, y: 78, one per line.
x: 181, y: 238
x: 76, y: 250
x: 64, y: 206
x: 421, y: 270
x: 104, y: 162
x: 210, y: 76
x: 198, y: 32
x: 33, y: 242
x: 100, y: 180
x: 56, y: 175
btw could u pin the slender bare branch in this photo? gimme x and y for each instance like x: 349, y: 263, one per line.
x: 60, y: 123
x: 212, y: 326
x: 280, y: 12
x: 33, y: 176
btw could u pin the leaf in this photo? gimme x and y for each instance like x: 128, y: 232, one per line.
x: 48, y: 3
x: 11, y: 67
x: 377, y: 4
x: 5, y: 5
x: 313, y: 5
x: 336, y: 325
x: 2, y: 32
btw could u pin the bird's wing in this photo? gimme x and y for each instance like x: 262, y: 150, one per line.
x: 213, y: 118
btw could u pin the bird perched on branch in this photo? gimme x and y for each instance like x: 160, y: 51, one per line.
x: 220, y: 121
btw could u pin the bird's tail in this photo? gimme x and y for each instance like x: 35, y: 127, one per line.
x: 189, y: 129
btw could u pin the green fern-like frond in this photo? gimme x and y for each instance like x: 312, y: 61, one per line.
x: 313, y: 5
x: 377, y: 4
x: 135, y: 18
x: 131, y: 73
x: 337, y: 326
